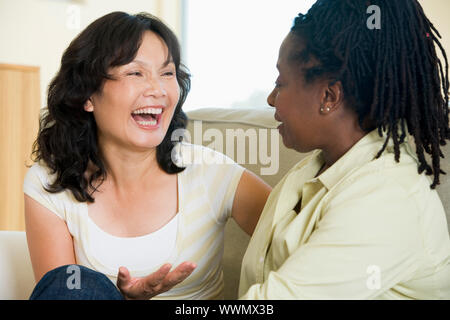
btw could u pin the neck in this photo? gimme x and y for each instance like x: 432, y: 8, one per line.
x: 129, y: 170
x: 341, y: 141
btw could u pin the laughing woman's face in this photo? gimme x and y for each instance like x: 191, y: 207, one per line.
x: 134, y: 110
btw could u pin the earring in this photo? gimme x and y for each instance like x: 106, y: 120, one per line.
x: 325, y: 110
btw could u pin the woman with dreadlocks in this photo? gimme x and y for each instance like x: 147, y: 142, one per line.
x: 360, y: 217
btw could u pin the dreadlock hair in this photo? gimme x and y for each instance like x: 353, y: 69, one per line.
x: 391, y: 77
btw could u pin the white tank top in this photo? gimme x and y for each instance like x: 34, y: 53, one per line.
x: 118, y: 251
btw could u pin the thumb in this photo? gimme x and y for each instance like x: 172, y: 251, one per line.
x: 123, y: 277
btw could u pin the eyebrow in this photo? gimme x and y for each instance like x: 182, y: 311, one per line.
x: 145, y: 64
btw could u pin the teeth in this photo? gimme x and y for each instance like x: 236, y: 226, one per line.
x: 147, y: 123
x: 148, y: 111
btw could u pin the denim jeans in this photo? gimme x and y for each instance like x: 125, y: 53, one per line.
x: 75, y: 282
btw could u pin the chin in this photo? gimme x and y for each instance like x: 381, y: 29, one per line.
x: 287, y: 143
x: 148, y: 143
x: 303, y: 149
x: 295, y: 146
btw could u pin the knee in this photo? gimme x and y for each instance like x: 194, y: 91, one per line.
x: 75, y: 282
x: 71, y: 275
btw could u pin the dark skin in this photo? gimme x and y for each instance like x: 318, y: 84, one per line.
x: 313, y: 115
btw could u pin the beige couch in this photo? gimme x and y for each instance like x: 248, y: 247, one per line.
x: 206, y: 126
x: 251, y: 120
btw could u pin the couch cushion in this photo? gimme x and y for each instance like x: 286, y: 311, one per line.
x: 16, y: 276
x: 248, y: 136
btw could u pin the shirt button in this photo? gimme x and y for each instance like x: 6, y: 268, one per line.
x: 261, y: 260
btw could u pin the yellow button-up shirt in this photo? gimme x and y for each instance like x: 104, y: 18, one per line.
x: 367, y: 229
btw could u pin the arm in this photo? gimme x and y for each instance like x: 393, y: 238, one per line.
x: 249, y: 200
x: 49, y: 241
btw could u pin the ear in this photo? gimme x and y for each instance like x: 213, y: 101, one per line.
x: 332, y: 97
x: 89, y: 106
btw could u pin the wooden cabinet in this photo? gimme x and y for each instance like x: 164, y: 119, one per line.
x: 19, y: 124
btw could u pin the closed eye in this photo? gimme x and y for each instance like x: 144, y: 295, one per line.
x: 136, y: 73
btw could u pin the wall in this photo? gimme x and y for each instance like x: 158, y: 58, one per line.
x: 36, y: 32
x: 437, y: 12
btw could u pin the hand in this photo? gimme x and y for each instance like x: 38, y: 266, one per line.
x: 153, y: 284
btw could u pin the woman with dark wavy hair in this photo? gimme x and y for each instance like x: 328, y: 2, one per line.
x: 105, y: 196
x: 359, y: 218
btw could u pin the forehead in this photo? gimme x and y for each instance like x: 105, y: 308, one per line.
x: 152, y: 52
x: 153, y: 44
x: 293, y: 56
x: 289, y: 47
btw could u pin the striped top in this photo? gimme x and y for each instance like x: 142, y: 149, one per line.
x: 206, y: 192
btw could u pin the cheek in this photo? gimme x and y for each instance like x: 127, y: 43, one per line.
x: 174, y: 93
x: 112, y: 110
x: 113, y: 107
x: 117, y: 96
x: 288, y: 108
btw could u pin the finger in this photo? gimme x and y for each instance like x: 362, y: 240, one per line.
x: 185, y: 267
x: 179, y: 274
x: 124, y: 282
x: 123, y: 277
x: 158, y: 276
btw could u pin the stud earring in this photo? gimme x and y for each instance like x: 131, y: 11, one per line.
x: 325, y: 110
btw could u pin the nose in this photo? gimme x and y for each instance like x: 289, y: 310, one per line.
x: 271, y: 98
x: 155, y: 88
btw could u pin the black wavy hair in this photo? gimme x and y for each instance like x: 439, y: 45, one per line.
x: 391, y: 77
x: 67, y: 138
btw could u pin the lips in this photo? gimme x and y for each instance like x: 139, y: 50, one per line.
x: 148, y: 117
x: 277, y: 117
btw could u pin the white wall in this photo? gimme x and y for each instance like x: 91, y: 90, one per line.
x: 437, y: 11
x: 36, y: 32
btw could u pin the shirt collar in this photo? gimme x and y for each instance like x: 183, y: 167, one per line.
x: 364, y: 151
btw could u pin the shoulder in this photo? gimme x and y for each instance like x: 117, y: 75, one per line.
x: 386, y: 188
x: 36, y: 182
x: 208, y: 167
x: 386, y: 202
x: 38, y: 174
x: 192, y: 156
x: 387, y: 172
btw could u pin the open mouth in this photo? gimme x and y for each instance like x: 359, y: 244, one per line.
x: 277, y: 118
x: 148, y: 117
